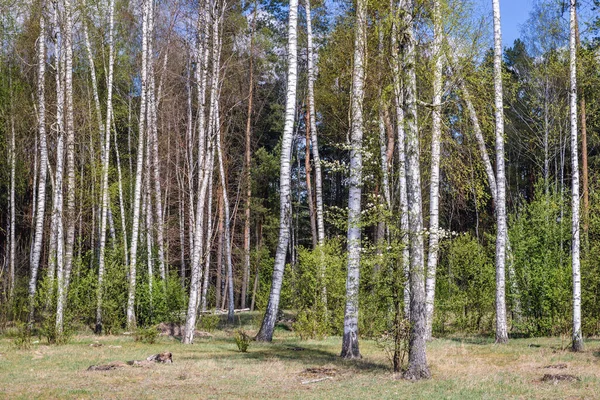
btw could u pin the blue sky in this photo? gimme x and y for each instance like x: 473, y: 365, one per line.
x: 513, y: 14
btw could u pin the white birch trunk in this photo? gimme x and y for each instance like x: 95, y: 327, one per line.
x: 12, y: 248
x: 350, y: 339
x: 201, y: 80
x: 417, y: 359
x: 63, y: 275
x: 209, y: 234
x: 314, y: 138
x: 104, y: 193
x: 131, y: 321
x: 268, y: 324
x: 577, y: 336
x: 398, y: 65
x: 56, y: 245
x: 434, y: 186
x: 501, y: 325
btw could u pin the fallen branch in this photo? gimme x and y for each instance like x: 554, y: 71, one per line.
x: 316, y: 380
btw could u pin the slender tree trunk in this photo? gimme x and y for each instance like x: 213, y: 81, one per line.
x: 309, y: 193
x: 56, y: 245
x: 434, y: 186
x: 487, y: 165
x: 216, y: 126
x: 577, y: 336
x: 398, y: 65
x: 12, y: 238
x: 315, y: 148
x: 63, y: 276
x: 105, y: 203
x: 268, y: 324
x: 121, y: 200
x: 209, y: 235
x: 146, y: 60
x: 350, y: 340
x: 248, y: 165
x: 501, y: 325
x: 584, y: 155
x: 417, y: 358
x: 220, y: 278
x: 158, y: 204
x: 257, y: 268
x: 201, y: 78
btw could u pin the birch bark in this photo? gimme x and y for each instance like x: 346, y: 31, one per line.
x: 577, y: 336
x: 434, y: 185
x: 350, y: 339
x: 417, y: 359
x: 131, y: 321
x: 268, y: 324
x: 501, y: 325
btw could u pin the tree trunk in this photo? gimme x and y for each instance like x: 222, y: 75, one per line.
x: 209, y: 234
x: 63, y: 276
x: 56, y: 245
x: 315, y: 148
x: 247, y: 165
x: 577, y: 336
x: 220, y: 277
x: 146, y: 60
x: 350, y: 340
x: 268, y: 324
x: 195, y: 281
x: 417, y: 358
x: 434, y: 186
x: 309, y: 193
x: 501, y: 325
x: 398, y: 65
x: 12, y: 248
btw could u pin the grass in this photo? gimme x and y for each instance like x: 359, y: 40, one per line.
x: 467, y: 368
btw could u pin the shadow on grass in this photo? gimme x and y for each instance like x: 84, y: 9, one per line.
x: 478, y: 340
x: 304, y: 354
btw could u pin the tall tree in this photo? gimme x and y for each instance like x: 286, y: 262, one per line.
x: 434, y: 185
x: 501, y: 325
x: 248, y: 162
x: 63, y: 275
x: 40, y: 208
x: 397, y: 67
x: 147, y: 8
x: 417, y: 358
x: 266, y: 330
x: 575, y: 262
x: 350, y: 340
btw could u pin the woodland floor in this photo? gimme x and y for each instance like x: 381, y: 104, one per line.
x: 462, y: 368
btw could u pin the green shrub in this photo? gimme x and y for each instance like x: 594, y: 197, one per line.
x: 209, y: 322
x: 242, y: 340
x: 22, y: 338
x: 147, y: 335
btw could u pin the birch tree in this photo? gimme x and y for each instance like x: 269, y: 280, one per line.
x: 417, y: 359
x: 247, y: 164
x: 63, y: 275
x: 147, y: 9
x: 202, y: 55
x: 314, y: 139
x: 501, y: 325
x: 41, y: 190
x: 575, y: 262
x: 434, y: 185
x: 268, y: 323
x: 350, y: 339
x: 397, y: 63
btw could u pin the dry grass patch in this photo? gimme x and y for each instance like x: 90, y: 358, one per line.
x: 292, y: 369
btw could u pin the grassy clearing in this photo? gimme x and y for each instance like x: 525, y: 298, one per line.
x: 471, y: 368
